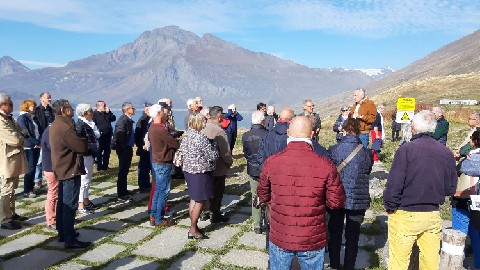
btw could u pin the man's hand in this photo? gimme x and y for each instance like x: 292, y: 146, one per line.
x: 107, y: 109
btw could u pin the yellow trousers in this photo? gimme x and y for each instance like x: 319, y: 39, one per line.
x: 404, y: 228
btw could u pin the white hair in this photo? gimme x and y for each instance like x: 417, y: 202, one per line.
x: 154, y: 110
x: 257, y: 117
x: 361, y: 90
x: 163, y: 100
x: 439, y: 109
x: 231, y: 106
x: 205, y: 111
x: 82, y: 109
x: 270, y: 109
x: 4, y: 98
x: 190, y: 102
x: 424, y: 121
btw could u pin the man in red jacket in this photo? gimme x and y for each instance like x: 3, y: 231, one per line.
x: 298, y: 185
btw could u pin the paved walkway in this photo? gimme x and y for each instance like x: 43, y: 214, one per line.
x: 123, y: 239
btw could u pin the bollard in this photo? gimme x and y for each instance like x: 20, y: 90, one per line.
x: 452, y: 252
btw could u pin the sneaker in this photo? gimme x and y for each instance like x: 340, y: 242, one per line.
x: 84, y: 211
x: 30, y: 194
x: 11, y: 225
x: 219, y: 219
x: 204, y: 216
x: 91, y: 206
x: 38, y: 185
x: 78, y: 244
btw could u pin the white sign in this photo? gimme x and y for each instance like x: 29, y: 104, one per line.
x: 404, y: 117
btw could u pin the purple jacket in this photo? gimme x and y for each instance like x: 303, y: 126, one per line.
x: 423, y: 173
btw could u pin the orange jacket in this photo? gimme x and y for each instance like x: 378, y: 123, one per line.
x: 368, y: 111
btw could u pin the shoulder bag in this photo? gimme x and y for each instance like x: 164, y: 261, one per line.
x: 345, y: 162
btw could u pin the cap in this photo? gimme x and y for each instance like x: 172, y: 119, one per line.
x: 147, y: 104
x: 164, y: 105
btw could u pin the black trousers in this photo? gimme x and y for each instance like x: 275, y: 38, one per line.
x: 352, y: 234
x: 218, y: 190
x: 103, y: 154
x: 124, y: 162
x: 232, y: 138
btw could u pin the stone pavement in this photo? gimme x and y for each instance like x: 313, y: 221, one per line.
x: 123, y: 239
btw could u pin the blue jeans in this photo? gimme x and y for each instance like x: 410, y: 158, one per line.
x: 38, y: 169
x: 162, y: 189
x: 365, y: 138
x: 461, y: 222
x: 281, y: 259
x: 32, y: 155
x: 67, y: 205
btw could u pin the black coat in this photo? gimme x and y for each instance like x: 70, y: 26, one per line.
x: 103, y: 121
x: 123, y: 131
x: 44, y: 117
x: 141, y: 129
x: 251, y: 142
x: 85, y: 131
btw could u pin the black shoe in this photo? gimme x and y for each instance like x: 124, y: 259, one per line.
x: 219, y: 219
x: 257, y: 230
x: 91, y: 206
x: 11, y: 225
x: 61, y: 239
x: 125, y: 198
x: 17, y: 217
x: 192, y: 236
x: 78, y: 244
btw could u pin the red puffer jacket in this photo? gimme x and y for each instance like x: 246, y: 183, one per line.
x: 298, y: 184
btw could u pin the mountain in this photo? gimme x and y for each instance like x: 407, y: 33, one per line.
x: 171, y: 62
x: 377, y: 73
x: 447, y: 66
x: 9, y: 65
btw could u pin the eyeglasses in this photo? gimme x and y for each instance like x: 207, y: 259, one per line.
x: 472, y: 118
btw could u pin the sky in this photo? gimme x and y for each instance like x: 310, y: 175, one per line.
x: 318, y: 34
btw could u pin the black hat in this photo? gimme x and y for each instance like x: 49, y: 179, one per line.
x: 147, y: 104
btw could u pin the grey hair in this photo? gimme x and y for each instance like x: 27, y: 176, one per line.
x: 306, y: 101
x: 4, y: 98
x: 257, y: 117
x: 154, y: 110
x: 44, y: 93
x: 82, y: 109
x: 424, y: 121
x: 125, y: 106
x: 441, y: 110
x: 361, y: 90
x: 190, y: 102
x: 205, y: 111
x: 215, y: 111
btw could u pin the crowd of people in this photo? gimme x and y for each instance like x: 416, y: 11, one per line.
x: 299, y: 181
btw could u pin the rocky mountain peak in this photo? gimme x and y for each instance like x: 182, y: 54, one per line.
x: 8, y: 66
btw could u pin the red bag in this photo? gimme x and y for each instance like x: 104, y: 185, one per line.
x: 225, y: 123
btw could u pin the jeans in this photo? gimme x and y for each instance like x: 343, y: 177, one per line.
x: 218, y: 190
x: 281, y: 259
x: 364, y: 137
x: 404, y: 228
x: 124, y: 162
x: 461, y: 222
x: 352, y: 234
x: 162, y: 189
x: 86, y: 179
x: 103, y: 154
x: 32, y: 155
x: 38, y: 169
x: 67, y: 206
x: 144, y: 168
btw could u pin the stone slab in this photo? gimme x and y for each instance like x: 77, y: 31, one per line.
x: 73, y: 266
x: 99, y: 200
x: 165, y: 245
x: 23, y: 242
x: 140, y: 196
x: 245, y: 209
x: 36, y: 219
x: 102, y: 185
x: 110, y: 225
x: 362, y: 262
x: 111, y: 191
x: 133, y: 235
x: 102, y: 253
x: 128, y: 263
x: 85, y: 235
x: 192, y: 261
x: 230, y: 201
x: 251, y: 239
x: 239, y: 219
x: 201, y: 224
x: 37, y: 259
x: 7, y: 233
x: 219, y: 238
x: 177, y: 195
x: 40, y: 204
x: 180, y: 208
x: 136, y: 214
x: 246, y: 258
x: 21, y: 211
x: 98, y: 213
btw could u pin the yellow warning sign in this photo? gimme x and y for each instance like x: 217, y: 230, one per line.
x: 405, y: 117
x: 406, y: 104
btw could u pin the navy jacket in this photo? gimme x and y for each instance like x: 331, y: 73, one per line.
x: 270, y: 121
x: 251, y: 142
x: 234, y: 118
x: 274, y: 142
x: 423, y: 173
x: 46, y: 152
x: 25, y: 122
x: 123, y: 133
x: 355, y: 176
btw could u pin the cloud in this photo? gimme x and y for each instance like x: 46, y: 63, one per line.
x: 359, y: 18
x: 38, y: 64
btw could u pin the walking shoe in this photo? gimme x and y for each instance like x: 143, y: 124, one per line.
x: 219, y: 219
x: 165, y: 223
x: 61, y: 239
x: 30, y: 194
x: 91, y: 206
x: 204, y: 216
x: 85, y: 211
x: 78, y: 244
x: 17, y: 217
x: 38, y: 185
x: 125, y: 198
x: 11, y: 225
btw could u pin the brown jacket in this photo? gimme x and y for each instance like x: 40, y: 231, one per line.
x: 12, y: 158
x: 369, y: 112
x: 67, y: 148
x: 213, y: 130
x: 163, y: 144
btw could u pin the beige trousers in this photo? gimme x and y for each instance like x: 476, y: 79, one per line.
x: 7, y: 198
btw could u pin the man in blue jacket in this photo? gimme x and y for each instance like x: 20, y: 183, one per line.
x: 234, y: 117
x: 422, y: 174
